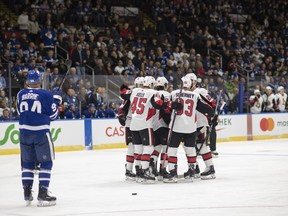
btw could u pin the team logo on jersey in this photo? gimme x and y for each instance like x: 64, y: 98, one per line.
x: 12, y: 134
x: 267, y: 124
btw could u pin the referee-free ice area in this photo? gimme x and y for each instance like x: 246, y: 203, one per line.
x: 252, y: 179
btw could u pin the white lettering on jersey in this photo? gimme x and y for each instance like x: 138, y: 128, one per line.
x: 141, y: 109
x: 185, y: 121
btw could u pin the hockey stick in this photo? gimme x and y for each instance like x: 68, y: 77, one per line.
x: 172, y: 125
x: 68, y: 63
x: 210, y: 127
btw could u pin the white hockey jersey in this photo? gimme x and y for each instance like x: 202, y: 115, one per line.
x: 158, y: 120
x: 185, y: 121
x: 202, y: 120
x: 141, y: 109
x: 256, y: 106
x: 281, y: 100
x: 268, y: 100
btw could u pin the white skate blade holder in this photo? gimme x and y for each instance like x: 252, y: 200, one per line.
x: 208, y: 177
x: 145, y: 181
x: 43, y: 203
x: 28, y: 202
x: 128, y: 178
x: 170, y: 180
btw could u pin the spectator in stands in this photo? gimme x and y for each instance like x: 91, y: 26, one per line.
x: 50, y: 59
x: 126, y: 33
x: 71, y: 98
x: 54, y: 76
x: 109, y: 69
x: 80, y: 11
x: 101, y: 110
x: 24, y: 41
x: 30, y: 51
x: 23, y: 21
x: 3, y: 105
x: 49, y: 39
x: 33, y: 29
x: 79, y: 59
x: 119, y: 68
x: 82, y: 97
x: 6, y: 115
x: 95, y: 97
x: 74, y: 75
x: 100, y: 13
x: 2, y: 80
x: 48, y: 36
x: 111, y: 111
x: 71, y: 112
x: 62, y: 30
x: 91, y: 112
x: 100, y: 68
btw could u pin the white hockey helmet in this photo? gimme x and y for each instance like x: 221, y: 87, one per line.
x: 256, y: 91
x: 268, y: 88
x: 193, y: 79
x: 280, y: 88
x: 149, y: 81
x: 161, y: 81
x: 138, y: 82
x: 187, y: 83
x: 191, y: 76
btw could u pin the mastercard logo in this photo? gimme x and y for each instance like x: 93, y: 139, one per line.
x: 267, y: 124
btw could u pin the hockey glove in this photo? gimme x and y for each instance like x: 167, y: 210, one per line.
x: 57, y: 99
x: 122, y: 119
x: 123, y: 86
x: 176, y: 105
x: 214, y: 121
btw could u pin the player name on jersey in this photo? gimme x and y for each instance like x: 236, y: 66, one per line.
x: 184, y: 94
x: 30, y: 96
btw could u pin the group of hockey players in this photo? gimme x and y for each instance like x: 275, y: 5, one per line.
x: 268, y: 102
x: 156, y: 122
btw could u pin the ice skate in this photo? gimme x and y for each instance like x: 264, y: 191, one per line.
x: 190, y: 174
x: 138, y: 174
x: 153, y: 168
x: 214, y: 154
x: 209, y: 173
x: 130, y: 176
x: 162, y: 173
x: 28, y: 194
x: 147, y: 176
x: 44, y: 199
x: 197, y: 171
x: 171, y: 177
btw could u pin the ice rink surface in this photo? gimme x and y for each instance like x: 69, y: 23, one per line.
x: 252, y: 179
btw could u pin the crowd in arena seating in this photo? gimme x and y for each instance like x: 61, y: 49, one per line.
x: 251, y: 36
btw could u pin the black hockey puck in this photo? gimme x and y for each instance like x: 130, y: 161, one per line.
x: 134, y: 193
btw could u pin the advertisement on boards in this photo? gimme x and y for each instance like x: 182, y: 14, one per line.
x: 108, y: 132
x: 63, y: 133
x: 232, y: 128
x: 270, y: 125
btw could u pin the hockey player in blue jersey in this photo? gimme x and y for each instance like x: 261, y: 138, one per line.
x: 36, y: 108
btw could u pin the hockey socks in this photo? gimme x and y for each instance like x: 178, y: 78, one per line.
x: 138, y: 150
x: 130, y: 157
x: 206, y: 155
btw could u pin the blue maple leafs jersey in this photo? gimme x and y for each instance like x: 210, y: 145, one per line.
x: 36, y: 108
